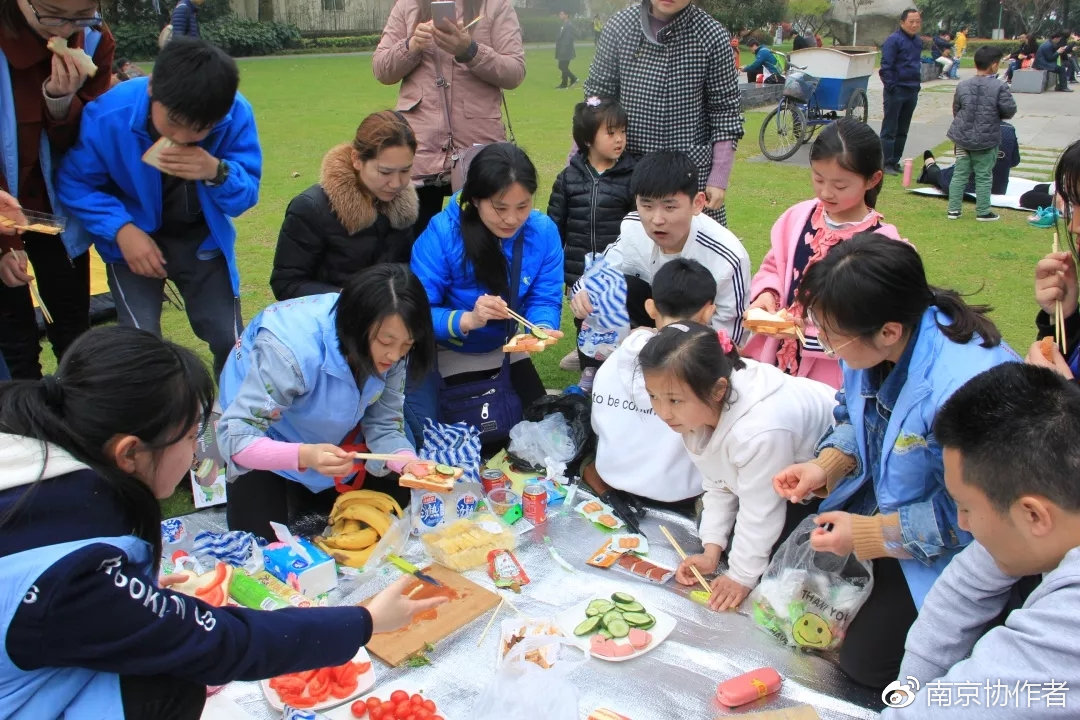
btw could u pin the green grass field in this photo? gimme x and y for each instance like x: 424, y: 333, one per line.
x: 305, y: 105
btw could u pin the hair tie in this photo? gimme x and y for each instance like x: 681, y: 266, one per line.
x: 593, y: 101
x: 53, y: 392
x: 725, y: 341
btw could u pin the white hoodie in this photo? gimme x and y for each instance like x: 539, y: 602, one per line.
x: 635, y: 450
x: 22, y: 461
x: 774, y: 420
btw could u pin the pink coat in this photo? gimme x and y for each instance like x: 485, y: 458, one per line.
x: 475, y: 87
x: 776, y: 274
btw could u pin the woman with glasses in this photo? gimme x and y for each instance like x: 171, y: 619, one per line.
x: 41, y: 100
x: 904, y: 348
x: 465, y: 260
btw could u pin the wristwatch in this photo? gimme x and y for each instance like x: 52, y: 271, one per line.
x: 222, y: 174
x: 469, y: 53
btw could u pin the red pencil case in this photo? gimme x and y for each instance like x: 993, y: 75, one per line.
x: 748, y: 687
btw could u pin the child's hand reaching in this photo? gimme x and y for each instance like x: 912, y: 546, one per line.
x: 727, y: 594
x: 705, y: 563
x: 390, y: 609
x: 1037, y: 356
x: 833, y: 533
x: 797, y: 481
x: 1055, y: 279
x: 767, y: 301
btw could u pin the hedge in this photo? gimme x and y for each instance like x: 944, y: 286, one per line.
x: 239, y: 38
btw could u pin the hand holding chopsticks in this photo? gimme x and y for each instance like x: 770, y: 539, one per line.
x: 678, y: 549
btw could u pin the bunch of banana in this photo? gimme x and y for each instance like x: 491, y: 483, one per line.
x: 358, y: 520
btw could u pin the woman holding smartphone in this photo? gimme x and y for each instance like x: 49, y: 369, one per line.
x: 474, y: 46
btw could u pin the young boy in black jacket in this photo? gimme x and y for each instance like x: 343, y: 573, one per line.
x: 591, y: 196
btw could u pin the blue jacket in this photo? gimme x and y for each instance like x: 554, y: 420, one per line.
x: 763, y: 58
x: 438, y: 259
x: 289, y: 381
x: 901, y: 60
x: 1047, y: 56
x: 105, y: 184
x: 80, y: 604
x: 74, y: 236
x: 185, y: 19
x: 911, y: 477
x: 938, y: 46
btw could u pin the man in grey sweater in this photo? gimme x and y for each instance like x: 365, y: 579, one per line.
x: 979, y: 106
x: 1011, y: 440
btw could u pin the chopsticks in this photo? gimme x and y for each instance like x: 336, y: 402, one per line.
x: 525, y: 322
x: 679, y: 550
x: 475, y: 20
x: 378, y: 456
x: 34, y: 293
x: 1059, y: 316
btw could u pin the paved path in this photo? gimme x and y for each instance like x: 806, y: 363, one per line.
x: 1045, y: 123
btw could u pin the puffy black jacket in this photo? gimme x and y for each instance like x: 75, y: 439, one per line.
x: 335, y: 229
x: 588, y: 209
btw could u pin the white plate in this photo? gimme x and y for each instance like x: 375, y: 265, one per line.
x: 364, y: 682
x: 383, y: 693
x: 570, y: 619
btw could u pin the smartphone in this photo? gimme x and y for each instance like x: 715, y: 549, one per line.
x: 444, y: 10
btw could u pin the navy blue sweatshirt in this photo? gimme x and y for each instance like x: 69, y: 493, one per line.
x: 83, y: 618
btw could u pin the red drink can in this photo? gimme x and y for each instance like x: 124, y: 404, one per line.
x: 493, y: 478
x: 534, y: 504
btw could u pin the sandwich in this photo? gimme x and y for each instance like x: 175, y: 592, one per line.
x: 440, y: 479
x: 529, y: 343
x: 152, y: 156
x: 777, y: 323
x: 59, y: 46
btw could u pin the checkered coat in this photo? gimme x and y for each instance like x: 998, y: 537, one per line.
x: 680, y: 91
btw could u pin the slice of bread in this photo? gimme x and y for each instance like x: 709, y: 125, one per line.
x: 86, y: 63
x: 762, y: 321
x: 152, y: 156
x: 529, y: 343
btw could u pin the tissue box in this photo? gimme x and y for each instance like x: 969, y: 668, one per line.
x: 312, y: 578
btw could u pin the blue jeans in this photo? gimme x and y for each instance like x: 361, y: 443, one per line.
x: 900, y: 102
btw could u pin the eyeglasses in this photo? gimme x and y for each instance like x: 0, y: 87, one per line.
x: 822, y: 337
x: 57, y: 21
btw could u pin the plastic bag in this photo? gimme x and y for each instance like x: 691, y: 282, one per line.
x: 519, y: 676
x: 609, y: 322
x: 538, y: 442
x: 808, y: 599
x: 456, y: 445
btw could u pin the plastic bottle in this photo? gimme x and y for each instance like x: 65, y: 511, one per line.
x: 907, y: 172
x: 761, y: 78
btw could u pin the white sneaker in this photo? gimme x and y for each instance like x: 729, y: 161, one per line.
x: 570, y: 361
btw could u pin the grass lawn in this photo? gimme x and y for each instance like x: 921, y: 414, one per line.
x: 305, y: 105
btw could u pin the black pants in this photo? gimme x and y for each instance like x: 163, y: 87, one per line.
x: 637, y: 292
x: 874, y: 645
x: 431, y: 199
x: 64, y: 285
x: 1058, y: 70
x: 568, y: 78
x: 900, y: 105
x: 260, y: 496
x: 161, y: 697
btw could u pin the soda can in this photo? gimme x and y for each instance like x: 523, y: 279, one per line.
x: 492, y: 478
x: 173, y: 531
x: 534, y: 504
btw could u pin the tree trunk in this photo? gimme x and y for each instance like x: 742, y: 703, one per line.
x: 266, y: 10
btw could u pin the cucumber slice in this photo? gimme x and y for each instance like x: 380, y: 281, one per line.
x: 444, y: 470
x: 539, y: 334
x: 619, y: 629
x: 605, y: 634
x: 610, y: 617
x: 602, y: 606
x: 591, y: 611
x: 587, y: 627
x: 637, y: 619
x: 652, y: 621
x: 621, y: 597
x: 634, y: 607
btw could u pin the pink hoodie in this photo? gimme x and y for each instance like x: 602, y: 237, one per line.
x: 776, y: 274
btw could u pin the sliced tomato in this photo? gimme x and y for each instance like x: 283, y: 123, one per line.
x: 345, y: 689
x: 362, y: 668
x: 358, y: 709
x: 306, y: 675
x: 300, y: 701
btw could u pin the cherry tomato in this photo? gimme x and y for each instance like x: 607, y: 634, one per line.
x: 398, y: 696
x: 387, y: 707
x: 376, y: 713
x: 412, y: 717
x: 417, y: 699
x: 373, y: 702
x: 402, y: 711
x: 359, y: 709
x: 433, y: 717
x: 430, y: 705
x: 423, y: 713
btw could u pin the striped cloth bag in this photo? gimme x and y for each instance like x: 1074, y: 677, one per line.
x: 237, y: 548
x: 456, y: 445
x: 609, y: 322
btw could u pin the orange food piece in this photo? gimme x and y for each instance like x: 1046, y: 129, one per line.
x: 1046, y: 347
x: 629, y: 542
x: 299, y: 701
x: 591, y: 507
x: 607, y: 520
x: 362, y: 668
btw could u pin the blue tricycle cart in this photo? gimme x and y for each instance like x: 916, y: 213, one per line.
x: 821, y: 83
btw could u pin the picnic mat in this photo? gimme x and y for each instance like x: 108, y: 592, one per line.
x: 1011, y: 199
x: 677, y: 679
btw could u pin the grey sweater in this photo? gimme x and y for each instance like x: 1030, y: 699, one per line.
x: 979, y: 106
x: 1007, y: 672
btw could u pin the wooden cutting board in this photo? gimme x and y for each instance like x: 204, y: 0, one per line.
x: 471, y: 602
x: 799, y: 712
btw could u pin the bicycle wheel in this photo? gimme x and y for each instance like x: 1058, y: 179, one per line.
x: 781, y: 133
x: 857, y: 106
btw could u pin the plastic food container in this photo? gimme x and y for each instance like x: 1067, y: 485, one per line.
x: 501, y: 500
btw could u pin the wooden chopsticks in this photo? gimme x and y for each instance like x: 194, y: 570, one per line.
x: 679, y: 550
x: 525, y: 322
x: 1059, y: 315
x: 377, y: 456
x: 34, y: 293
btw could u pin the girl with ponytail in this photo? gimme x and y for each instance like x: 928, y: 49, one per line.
x: 904, y: 347
x: 87, y: 631
x: 741, y: 422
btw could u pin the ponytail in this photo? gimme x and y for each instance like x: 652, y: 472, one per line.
x: 695, y: 354
x: 112, y: 381
x: 966, y: 319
